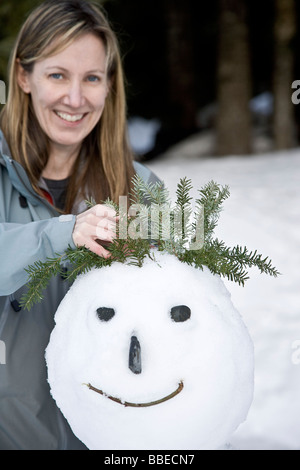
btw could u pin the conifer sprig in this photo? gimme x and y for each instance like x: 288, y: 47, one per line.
x: 211, y: 198
x: 183, y: 228
x: 40, y: 274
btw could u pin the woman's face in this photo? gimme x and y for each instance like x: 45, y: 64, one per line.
x: 68, y: 91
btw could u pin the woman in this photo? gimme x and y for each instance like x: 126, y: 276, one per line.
x: 62, y: 141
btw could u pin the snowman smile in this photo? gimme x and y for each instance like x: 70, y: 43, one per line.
x: 138, y: 405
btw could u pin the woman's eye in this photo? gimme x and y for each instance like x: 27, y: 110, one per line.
x: 93, y: 78
x: 105, y: 313
x: 56, y: 76
x: 180, y: 313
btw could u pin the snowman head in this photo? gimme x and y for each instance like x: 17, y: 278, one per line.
x: 151, y: 357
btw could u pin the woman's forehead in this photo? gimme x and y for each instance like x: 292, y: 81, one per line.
x: 62, y: 46
x: 85, y: 52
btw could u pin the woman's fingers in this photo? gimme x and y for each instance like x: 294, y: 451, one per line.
x: 93, y: 226
x: 103, y: 211
x: 98, y: 249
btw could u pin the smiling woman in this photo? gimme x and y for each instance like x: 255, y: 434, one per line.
x: 63, y: 140
x: 50, y: 60
x: 68, y: 93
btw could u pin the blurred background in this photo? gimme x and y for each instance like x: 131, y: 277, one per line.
x: 223, y: 66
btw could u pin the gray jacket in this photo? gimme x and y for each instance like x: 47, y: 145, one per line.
x: 30, y: 230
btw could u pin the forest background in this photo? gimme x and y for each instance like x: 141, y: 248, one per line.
x: 225, y: 65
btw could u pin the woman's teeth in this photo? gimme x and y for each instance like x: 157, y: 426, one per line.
x: 69, y: 117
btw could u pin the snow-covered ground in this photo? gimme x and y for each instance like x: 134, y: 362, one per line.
x: 263, y: 213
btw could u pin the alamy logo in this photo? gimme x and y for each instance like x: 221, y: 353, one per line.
x: 2, y: 353
x: 296, y: 354
x: 295, y: 94
x: 2, y: 92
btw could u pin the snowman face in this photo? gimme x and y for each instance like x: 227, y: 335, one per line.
x: 179, y: 313
x: 153, y: 357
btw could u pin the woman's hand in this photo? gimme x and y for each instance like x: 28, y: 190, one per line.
x: 97, y: 223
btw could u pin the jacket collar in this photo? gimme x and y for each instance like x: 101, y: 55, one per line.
x: 3, y: 145
x: 18, y: 175
x: 4, y: 150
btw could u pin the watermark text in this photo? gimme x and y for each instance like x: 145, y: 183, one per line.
x: 160, y: 221
x: 2, y: 353
x: 295, y: 357
x: 2, y: 92
x: 296, y: 94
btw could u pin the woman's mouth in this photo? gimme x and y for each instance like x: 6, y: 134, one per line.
x: 70, y: 117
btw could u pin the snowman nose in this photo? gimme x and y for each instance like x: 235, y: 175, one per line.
x: 135, y: 359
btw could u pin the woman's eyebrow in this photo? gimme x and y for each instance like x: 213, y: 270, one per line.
x: 58, y: 67
x: 96, y: 71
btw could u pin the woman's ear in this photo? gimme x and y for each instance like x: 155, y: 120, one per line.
x: 22, y: 77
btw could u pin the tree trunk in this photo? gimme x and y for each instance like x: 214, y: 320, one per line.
x: 284, y: 33
x: 233, y: 126
x: 180, y: 58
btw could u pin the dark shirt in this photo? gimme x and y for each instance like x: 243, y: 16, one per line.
x: 58, y: 191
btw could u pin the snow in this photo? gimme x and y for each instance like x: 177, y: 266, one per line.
x: 211, y: 353
x: 142, y: 133
x: 263, y: 213
x: 262, y: 104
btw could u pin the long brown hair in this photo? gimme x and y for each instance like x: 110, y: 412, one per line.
x: 104, y: 168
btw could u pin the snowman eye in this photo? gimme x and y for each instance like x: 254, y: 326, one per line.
x: 180, y: 313
x: 105, y: 313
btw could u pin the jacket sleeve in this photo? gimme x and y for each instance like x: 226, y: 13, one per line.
x: 23, y: 244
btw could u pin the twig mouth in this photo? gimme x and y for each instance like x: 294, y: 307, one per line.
x: 138, y: 405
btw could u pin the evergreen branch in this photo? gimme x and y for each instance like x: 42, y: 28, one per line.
x: 108, y: 202
x: 183, y: 193
x: 82, y: 260
x: 183, y: 227
x: 135, y: 246
x: 137, y: 194
x: 39, y: 275
x: 90, y: 202
x: 243, y: 258
x: 113, y: 205
x: 229, y: 262
x: 148, y: 193
x: 212, y: 198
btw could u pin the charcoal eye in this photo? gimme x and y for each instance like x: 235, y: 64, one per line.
x: 105, y: 313
x: 180, y: 313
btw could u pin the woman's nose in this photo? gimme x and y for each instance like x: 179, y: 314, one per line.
x: 74, y: 95
x: 135, y: 358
